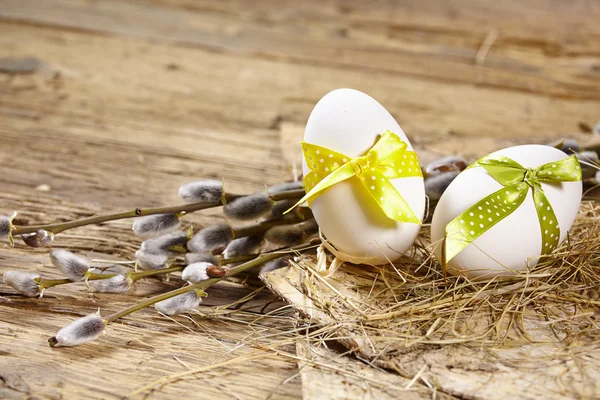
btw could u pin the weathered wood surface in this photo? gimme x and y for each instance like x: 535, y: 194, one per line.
x: 115, y: 104
x: 540, y: 361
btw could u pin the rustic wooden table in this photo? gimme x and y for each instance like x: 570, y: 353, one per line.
x: 109, y: 105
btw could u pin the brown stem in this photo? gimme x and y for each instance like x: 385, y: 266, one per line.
x: 139, y: 212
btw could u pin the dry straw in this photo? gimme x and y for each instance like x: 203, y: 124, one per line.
x: 385, y: 310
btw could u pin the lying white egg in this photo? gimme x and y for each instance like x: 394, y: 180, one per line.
x: 515, y: 243
x: 349, y: 122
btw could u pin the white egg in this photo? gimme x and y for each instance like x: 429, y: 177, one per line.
x: 515, y: 243
x: 348, y: 121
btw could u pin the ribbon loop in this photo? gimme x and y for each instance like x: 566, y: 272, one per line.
x: 516, y: 181
x: 386, y: 159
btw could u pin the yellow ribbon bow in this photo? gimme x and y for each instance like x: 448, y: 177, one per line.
x: 516, y: 182
x: 387, y: 159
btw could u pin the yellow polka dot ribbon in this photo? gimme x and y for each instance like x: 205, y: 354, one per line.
x: 387, y: 159
x: 517, y: 180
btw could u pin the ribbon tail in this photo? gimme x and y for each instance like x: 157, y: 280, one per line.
x: 344, y: 172
x: 548, y: 221
x: 478, y: 219
x: 390, y: 201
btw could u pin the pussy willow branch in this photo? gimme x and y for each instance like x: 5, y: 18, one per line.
x: 48, y: 283
x: 263, y: 226
x: 140, y: 212
x: 261, y: 259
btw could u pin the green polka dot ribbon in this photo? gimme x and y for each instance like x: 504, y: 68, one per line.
x: 516, y: 181
x: 387, y: 159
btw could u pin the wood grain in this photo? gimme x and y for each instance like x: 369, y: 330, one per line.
x: 108, y: 105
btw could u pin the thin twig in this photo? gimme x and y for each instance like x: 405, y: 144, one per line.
x: 140, y: 212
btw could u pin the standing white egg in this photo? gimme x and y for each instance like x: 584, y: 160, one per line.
x: 515, y: 243
x: 349, y: 122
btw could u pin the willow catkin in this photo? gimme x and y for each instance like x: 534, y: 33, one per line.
x: 5, y: 225
x: 171, y: 243
x: 250, y: 207
x: 82, y: 330
x: 147, y: 260
x: 23, y: 282
x: 203, y: 191
x: 75, y: 267
x: 117, y: 284
x: 244, y: 246
x: 212, y: 239
x: 437, y: 184
x: 155, y: 225
x: 179, y: 304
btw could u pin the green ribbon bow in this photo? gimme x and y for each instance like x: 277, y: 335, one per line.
x: 387, y: 159
x: 517, y: 180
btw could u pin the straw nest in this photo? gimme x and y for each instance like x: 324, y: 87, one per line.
x: 537, y: 335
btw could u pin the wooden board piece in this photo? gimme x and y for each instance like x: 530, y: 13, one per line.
x: 112, y: 105
x: 538, y: 365
x: 329, y: 374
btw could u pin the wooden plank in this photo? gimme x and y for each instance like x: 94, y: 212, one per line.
x: 330, y: 375
x: 114, y: 104
x: 430, y: 112
x: 351, y: 36
x: 537, y: 366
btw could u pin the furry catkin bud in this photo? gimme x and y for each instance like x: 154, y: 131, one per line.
x: 569, y: 146
x: 192, y: 258
x: 173, y: 243
x: 585, y: 158
x: 287, y: 235
x: 446, y: 164
x: 179, y: 304
x: 249, y: 207
x: 281, y: 207
x: 204, y: 191
x: 73, y: 266
x: 23, y: 282
x: 310, y: 226
x: 78, y: 332
x: 117, y: 284
x: 151, y: 261
x: 212, y: 239
x: 155, y: 225
x: 596, y: 129
x: 274, y: 264
x: 39, y: 238
x: 5, y: 226
x: 243, y: 246
x: 437, y: 184
x: 195, y: 273
x: 284, y: 187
